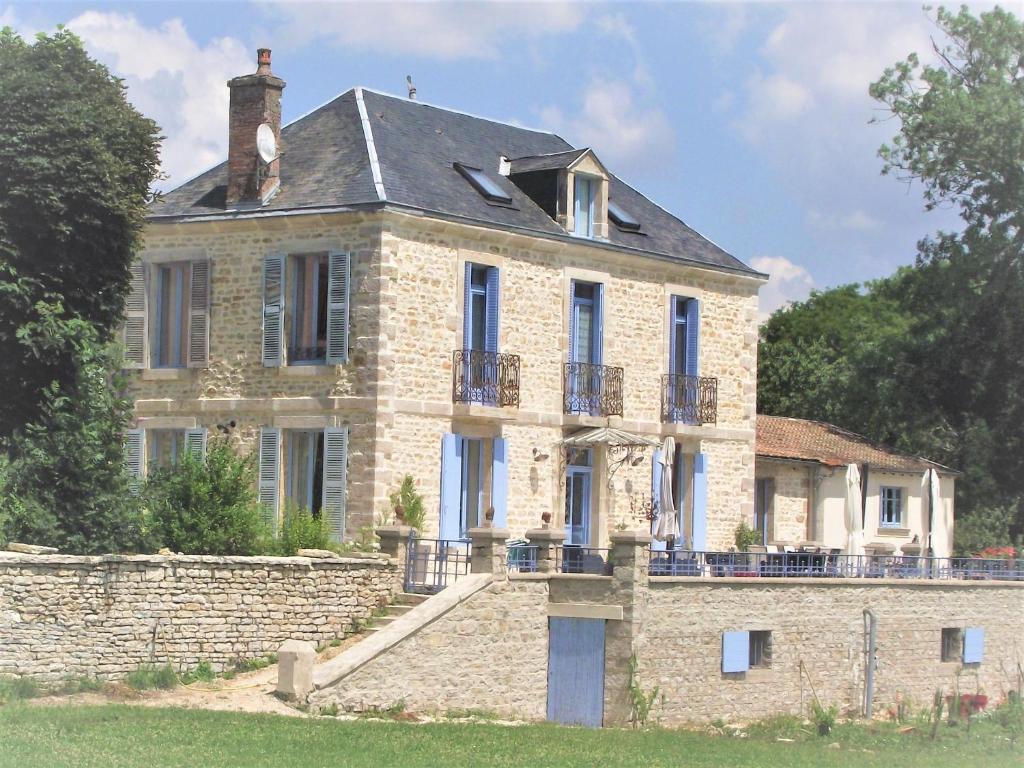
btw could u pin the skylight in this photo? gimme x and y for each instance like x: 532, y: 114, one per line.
x: 622, y: 219
x: 484, y: 184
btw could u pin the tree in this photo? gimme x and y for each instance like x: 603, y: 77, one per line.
x: 76, y: 162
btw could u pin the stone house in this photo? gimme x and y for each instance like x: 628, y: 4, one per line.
x: 802, y: 491
x: 386, y: 288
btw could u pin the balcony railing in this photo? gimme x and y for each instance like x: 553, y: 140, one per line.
x: 487, y: 378
x: 592, y: 389
x: 689, y: 399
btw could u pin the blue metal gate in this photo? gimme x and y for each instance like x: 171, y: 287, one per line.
x: 433, y: 564
x: 576, y: 671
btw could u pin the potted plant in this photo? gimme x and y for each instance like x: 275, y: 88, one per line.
x: 824, y: 718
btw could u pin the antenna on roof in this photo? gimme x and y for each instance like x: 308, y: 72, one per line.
x: 411, y: 87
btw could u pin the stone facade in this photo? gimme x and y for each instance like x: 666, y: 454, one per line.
x: 104, y: 616
x: 395, y: 393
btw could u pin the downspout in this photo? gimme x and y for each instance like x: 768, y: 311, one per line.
x: 870, y: 649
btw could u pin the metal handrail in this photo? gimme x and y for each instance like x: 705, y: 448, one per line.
x: 689, y: 399
x: 592, y: 389
x: 487, y: 378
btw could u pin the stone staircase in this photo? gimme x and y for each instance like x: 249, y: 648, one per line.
x: 402, y: 604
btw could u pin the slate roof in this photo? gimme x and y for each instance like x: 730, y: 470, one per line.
x: 780, y: 437
x: 554, y: 161
x: 325, y: 162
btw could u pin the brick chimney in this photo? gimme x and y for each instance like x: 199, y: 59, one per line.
x: 255, y: 99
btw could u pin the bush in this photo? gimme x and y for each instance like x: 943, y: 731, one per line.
x: 410, y: 502
x: 824, y: 718
x: 152, y: 676
x: 17, y: 689
x: 209, y: 506
x: 301, y: 530
x: 746, y: 537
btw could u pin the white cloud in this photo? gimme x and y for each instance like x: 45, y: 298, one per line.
x: 787, y: 282
x: 441, y: 30
x: 172, y: 79
x: 623, y: 133
x: 855, y: 221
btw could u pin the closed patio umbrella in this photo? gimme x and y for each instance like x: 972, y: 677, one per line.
x: 668, y: 521
x: 854, y: 508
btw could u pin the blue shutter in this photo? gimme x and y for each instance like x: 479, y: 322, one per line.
x: 692, y: 336
x: 467, y: 308
x: 974, y: 645
x: 273, y: 311
x: 735, y: 651
x: 451, y: 486
x: 339, y: 291
x: 700, y: 502
x: 656, y: 470
x: 270, y: 474
x: 499, y: 482
x: 135, y: 458
x: 674, y: 319
x: 491, y: 336
x: 334, y: 480
x: 195, y: 443
x: 572, y: 321
x: 199, y: 315
x: 136, y: 317
x: 598, y: 325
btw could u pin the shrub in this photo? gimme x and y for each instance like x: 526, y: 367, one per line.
x: 300, y: 529
x: 746, y: 537
x: 17, y: 689
x: 824, y: 718
x: 209, y: 506
x: 410, y: 502
x: 152, y: 676
x: 203, y: 673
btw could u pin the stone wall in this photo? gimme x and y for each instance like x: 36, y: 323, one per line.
x: 62, y: 615
x: 819, y: 624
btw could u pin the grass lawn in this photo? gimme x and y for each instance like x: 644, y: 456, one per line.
x: 116, y: 735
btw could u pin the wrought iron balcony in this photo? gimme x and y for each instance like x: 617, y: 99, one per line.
x: 486, y: 378
x: 689, y: 399
x: 592, y: 389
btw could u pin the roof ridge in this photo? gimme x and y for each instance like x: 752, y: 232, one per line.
x: 552, y: 154
x: 371, y: 148
x: 406, y: 100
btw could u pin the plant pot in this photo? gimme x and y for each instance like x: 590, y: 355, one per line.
x: 546, y: 518
x: 399, y: 514
x: 824, y: 729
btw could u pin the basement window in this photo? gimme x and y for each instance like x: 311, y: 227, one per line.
x: 952, y: 643
x: 484, y: 184
x: 760, y: 649
x: 622, y: 218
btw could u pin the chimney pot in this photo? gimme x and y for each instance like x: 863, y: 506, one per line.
x: 263, y: 61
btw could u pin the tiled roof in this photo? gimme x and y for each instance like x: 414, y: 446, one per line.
x: 325, y: 162
x: 780, y: 437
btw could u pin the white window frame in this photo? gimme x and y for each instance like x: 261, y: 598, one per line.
x: 884, y: 498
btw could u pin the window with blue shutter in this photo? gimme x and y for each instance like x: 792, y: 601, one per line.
x: 170, y: 330
x: 195, y: 443
x: 269, y: 475
x: 199, y: 315
x: 656, y: 471
x: 335, y: 475
x: 339, y: 299
x: 700, y: 502
x: 692, y: 337
x: 304, y: 469
x: 974, y: 645
x: 451, y: 482
x: 499, y: 482
x: 471, y: 485
x: 136, y: 321
x: 135, y: 457
x: 583, y: 207
x: 735, y: 652
x: 273, y: 311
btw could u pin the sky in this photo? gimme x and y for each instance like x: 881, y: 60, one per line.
x: 750, y: 121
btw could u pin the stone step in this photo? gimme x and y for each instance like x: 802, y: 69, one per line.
x: 397, y: 610
x: 381, y: 621
x: 410, y: 599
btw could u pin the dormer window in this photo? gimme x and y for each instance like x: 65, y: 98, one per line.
x: 621, y: 218
x: 484, y: 184
x: 583, y: 208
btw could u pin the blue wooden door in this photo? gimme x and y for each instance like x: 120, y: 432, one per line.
x: 576, y: 671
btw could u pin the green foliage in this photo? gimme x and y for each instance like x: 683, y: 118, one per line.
x: 411, y: 503
x: 202, y: 673
x: 63, y: 482
x: 1010, y: 716
x: 76, y: 162
x: 251, y: 665
x: 329, y: 710
x: 301, y: 530
x: 640, y: 702
x: 824, y: 717
x: 746, y: 537
x: 81, y: 684
x: 149, y: 676
x: 207, y: 506
x: 17, y: 689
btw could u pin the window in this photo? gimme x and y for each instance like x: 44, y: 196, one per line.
x: 171, y: 292
x: 682, y: 392
x: 578, y: 498
x: 472, y: 485
x: 484, y: 184
x: 892, y: 507
x: 764, y: 496
x: 760, y: 649
x: 585, y: 323
x: 480, y: 321
x: 622, y: 218
x: 307, y: 342
x: 304, y: 470
x: 952, y: 644
x: 583, y: 208
x: 165, y: 447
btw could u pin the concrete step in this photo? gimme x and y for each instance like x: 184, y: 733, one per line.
x: 397, y: 610
x: 381, y: 621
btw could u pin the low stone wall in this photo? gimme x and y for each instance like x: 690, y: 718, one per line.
x: 62, y: 615
x: 817, y: 640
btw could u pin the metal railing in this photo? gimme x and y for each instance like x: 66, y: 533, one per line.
x: 433, y: 564
x: 689, y: 399
x: 487, y: 378
x: 592, y: 389
x: 570, y: 558
x: 830, y: 565
x: 522, y: 556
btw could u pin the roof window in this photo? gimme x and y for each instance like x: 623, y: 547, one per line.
x: 621, y: 218
x: 484, y: 184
